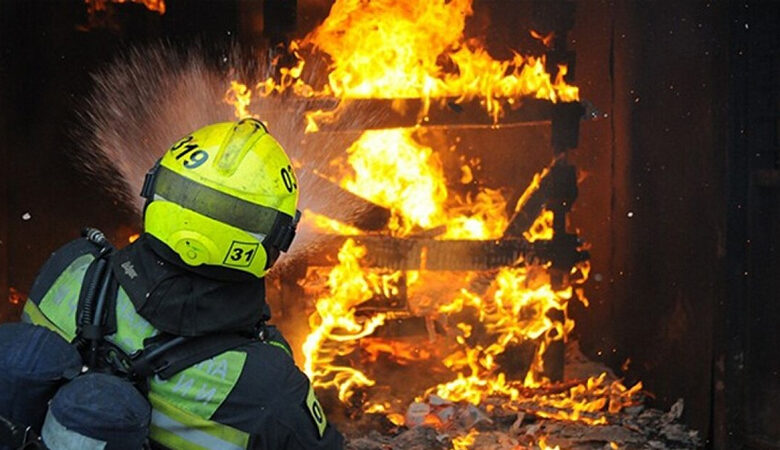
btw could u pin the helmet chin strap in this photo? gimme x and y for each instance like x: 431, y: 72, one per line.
x: 284, y: 234
x: 147, y: 190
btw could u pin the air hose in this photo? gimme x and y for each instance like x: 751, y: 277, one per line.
x: 93, y: 306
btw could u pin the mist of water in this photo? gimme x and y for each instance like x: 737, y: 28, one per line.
x: 149, y: 98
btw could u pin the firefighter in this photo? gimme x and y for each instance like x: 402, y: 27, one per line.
x: 220, y: 207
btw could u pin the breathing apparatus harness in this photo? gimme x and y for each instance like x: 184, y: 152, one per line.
x: 162, y: 355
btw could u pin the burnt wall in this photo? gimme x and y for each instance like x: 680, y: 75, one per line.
x: 653, y: 204
x: 48, y: 49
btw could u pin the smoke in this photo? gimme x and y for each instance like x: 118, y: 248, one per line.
x: 149, y: 98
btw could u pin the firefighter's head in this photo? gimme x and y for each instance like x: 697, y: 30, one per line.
x: 224, y: 195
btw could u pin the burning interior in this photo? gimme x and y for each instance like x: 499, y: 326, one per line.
x: 442, y: 264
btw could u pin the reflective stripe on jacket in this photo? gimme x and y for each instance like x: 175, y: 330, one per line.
x: 216, y: 404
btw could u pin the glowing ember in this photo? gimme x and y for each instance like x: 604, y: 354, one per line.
x: 100, y: 5
x: 15, y: 297
x: 543, y: 445
x: 464, y: 442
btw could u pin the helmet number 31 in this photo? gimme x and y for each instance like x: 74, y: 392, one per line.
x: 191, y: 155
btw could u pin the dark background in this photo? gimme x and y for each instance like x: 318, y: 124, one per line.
x: 679, y: 199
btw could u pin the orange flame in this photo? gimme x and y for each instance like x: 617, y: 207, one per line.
x: 239, y: 96
x: 100, y: 5
x: 410, y: 49
x: 464, y: 442
x: 543, y: 445
x: 14, y: 296
x: 335, y: 327
x: 391, y: 169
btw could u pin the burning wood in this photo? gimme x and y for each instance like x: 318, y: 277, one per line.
x: 364, y: 215
x: 480, y: 333
x: 412, y: 50
x: 94, y: 6
x: 435, y: 422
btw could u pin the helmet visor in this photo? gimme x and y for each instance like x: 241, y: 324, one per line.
x: 274, y: 227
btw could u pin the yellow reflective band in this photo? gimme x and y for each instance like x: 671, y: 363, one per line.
x: 280, y: 345
x: 61, y: 300
x: 181, y: 430
x: 315, y: 409
x: 34, y: 316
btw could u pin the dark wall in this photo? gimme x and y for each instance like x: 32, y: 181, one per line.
x: 673, y: 94
x: 681, y: 205
x: 747, y: 359
x: 48, y: 52
x: 654, y: 203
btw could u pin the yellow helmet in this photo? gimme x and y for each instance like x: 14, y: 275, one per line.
x: 225, y: 195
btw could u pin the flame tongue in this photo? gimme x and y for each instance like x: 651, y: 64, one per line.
x: 391, y: 169
x: 390, y: 49
x: 417, y: 49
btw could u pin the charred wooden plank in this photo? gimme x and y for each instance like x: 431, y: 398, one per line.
x: 431, y: 254
x: 406, y: 112
x: 362, y: 213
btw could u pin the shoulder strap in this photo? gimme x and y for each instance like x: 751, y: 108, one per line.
x: 163, y: 355
x: 167, y: 355
x: 95, y: 301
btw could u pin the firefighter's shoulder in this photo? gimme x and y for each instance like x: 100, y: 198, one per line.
x: 76, y: 251
x: 274, y: 402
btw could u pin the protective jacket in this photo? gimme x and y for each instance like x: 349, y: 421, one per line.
x: 252, y: 396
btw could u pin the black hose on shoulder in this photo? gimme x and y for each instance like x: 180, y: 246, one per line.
x: 91, y: 318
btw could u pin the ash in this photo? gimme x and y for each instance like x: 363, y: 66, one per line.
x: 494, y: 425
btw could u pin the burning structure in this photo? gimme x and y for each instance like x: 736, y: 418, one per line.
x: 441, y: 235
x: 432, y: 280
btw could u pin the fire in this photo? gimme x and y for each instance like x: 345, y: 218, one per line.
x: 335, y: 327
x: 389, y: 49
x: 541, y: 229
x: 14, y: 296
x: 100, y: 5
x: 240, y: 96
x: 411, y: 49
x: 392, y: 49
x: 464, y: 442
x: 310, y: 219
x: 515, y: 309
x: 393, y: 170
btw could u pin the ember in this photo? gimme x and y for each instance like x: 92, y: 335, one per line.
x: 15, y: 297
x: 94, y: 6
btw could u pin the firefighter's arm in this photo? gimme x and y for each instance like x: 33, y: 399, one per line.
x: 298, y: 420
